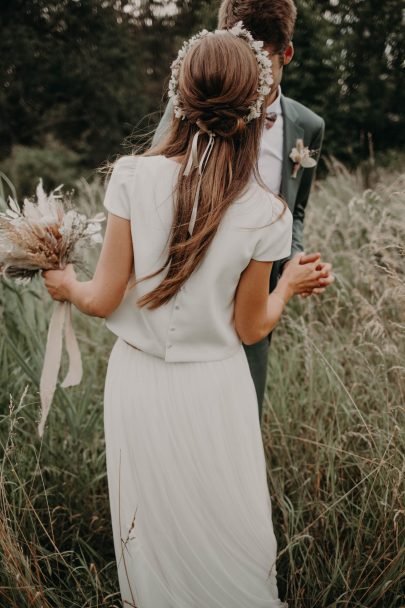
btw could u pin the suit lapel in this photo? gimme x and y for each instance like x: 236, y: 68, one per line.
x: 292, y: 132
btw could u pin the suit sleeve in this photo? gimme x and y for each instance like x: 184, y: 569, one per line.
x: 164, y: 124
x: 303, y: 196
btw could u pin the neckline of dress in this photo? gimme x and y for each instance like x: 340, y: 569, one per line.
x: 174, y: 162
x: 252, y: 180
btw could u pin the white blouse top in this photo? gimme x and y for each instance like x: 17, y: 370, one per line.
x: 197, y: 323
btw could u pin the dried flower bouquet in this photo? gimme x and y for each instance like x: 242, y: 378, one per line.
x: 47, y: 234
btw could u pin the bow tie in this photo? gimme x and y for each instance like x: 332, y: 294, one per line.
x: 271, y: 118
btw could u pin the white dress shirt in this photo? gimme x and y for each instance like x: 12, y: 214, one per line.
x: 271, y: 151
x: 197, y: 323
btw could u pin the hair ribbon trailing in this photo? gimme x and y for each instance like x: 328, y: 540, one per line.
x: 195, y: 163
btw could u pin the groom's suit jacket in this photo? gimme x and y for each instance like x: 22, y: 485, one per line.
x: 298, y: 123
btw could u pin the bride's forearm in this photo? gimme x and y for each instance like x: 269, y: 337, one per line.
x: 276, y: 303
x: 81, y: 294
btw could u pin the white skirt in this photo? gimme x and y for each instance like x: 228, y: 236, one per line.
x: 190, y: 506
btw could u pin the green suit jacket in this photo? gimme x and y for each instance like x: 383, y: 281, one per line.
x: 299, y: 123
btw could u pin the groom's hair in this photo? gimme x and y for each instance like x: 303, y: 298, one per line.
x: 272, y: 21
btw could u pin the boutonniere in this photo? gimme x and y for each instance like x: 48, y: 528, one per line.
x: 302, y: 157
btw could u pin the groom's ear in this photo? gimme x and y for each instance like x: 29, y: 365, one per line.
x: 288, y: 54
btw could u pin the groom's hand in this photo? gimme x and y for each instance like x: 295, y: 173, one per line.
x: 326, y: 278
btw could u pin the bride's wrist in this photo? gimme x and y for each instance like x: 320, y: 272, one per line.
x: 68, y: 286
x: 284, y: 290
x: 68, y: 281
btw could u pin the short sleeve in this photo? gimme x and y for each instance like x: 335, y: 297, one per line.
x: 118, y: 194
x: 274, y: 241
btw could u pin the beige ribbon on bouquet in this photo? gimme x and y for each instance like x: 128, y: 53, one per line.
x: 61, y: 316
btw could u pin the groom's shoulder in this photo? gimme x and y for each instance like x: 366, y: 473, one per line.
x: 308, y: 118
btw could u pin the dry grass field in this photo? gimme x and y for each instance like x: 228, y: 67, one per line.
x: 333, y: 425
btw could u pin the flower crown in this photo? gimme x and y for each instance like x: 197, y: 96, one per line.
x: 265, y: 69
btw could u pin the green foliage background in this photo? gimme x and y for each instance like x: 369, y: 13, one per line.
x: 88, y: 74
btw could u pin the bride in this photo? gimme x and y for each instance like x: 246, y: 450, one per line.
x: 182, y: 280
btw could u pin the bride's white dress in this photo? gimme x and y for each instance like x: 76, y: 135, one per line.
x: 190, y: 506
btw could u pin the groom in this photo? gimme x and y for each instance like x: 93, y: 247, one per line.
x: 287, y: 122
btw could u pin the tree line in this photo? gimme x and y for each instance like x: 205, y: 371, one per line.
x: 83, y: 76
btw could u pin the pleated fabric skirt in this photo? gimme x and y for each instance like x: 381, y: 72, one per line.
x: 190, y: 506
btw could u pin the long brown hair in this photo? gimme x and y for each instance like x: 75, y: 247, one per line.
x: 218, y: 83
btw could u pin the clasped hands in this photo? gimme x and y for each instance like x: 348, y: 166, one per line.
x: 316, y: 280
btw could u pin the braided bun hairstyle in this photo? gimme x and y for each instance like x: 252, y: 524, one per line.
x: 218, y: 83
x: 216, y: 87
x: 223, y: 123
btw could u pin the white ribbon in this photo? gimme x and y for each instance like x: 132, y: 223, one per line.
x: 194, y: 163
x: 62, y: 315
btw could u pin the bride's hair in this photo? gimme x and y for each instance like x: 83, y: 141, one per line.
x: 218, y: 83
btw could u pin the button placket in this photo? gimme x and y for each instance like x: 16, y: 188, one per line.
x: 172, y: 327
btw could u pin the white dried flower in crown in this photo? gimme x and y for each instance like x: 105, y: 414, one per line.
x: 262, y: 57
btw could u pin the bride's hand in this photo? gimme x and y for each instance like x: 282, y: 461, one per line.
x: 57, y: 282
x: 301, y: 277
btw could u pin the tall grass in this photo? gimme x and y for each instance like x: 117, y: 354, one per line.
x: 334, y: 423
x: 332, y: 427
